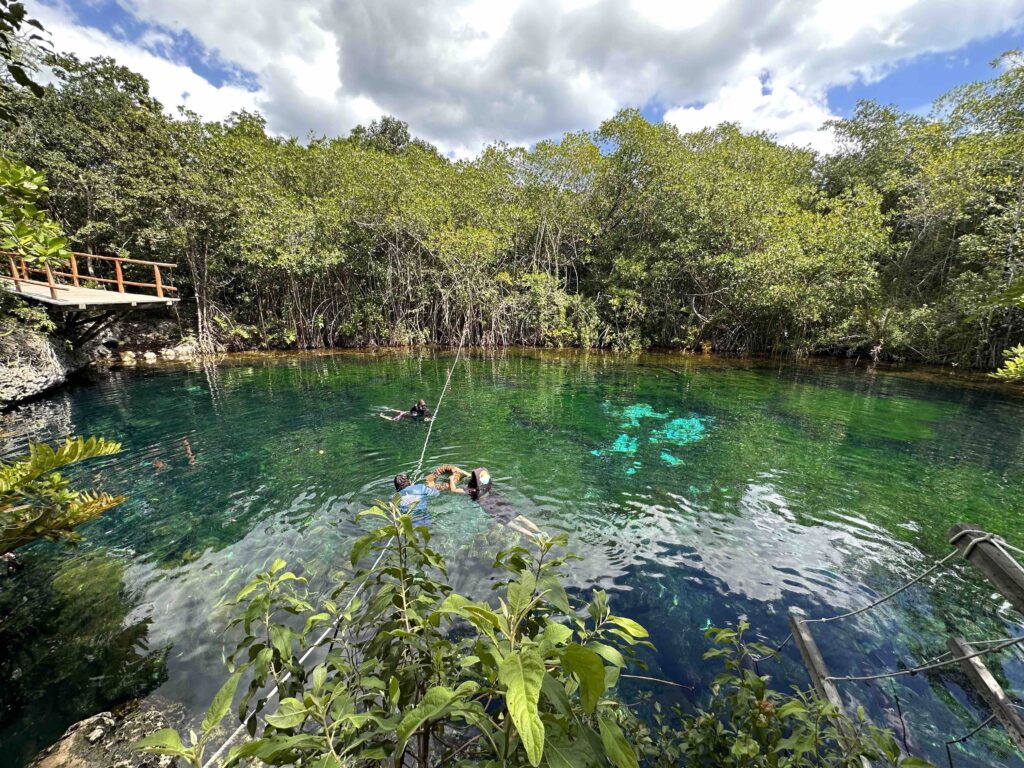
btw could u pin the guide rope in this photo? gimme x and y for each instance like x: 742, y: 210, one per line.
x: 965, y: 737
x: 932, y: 665
x: 334, y: 626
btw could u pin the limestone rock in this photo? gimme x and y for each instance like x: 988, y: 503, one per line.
x: 149, y: 357
x: 108, y: 739
x: 32, y: 362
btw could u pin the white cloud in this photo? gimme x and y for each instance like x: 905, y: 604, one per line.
x: 171, y: 83
x: 467, y: 72
x: 759, y: 104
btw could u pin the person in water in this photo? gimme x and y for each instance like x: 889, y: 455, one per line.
x: 418, y: 411
x: 498, y: 507
x: 414, y: 497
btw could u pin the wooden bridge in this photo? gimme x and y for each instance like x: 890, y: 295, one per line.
x: 75, y: 290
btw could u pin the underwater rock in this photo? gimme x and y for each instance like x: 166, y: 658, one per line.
x: 107, y: 740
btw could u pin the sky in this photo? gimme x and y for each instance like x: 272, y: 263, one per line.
x: 467, y: 73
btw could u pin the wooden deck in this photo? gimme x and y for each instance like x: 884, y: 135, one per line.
x: 65, y: 289
x: 81, y: 298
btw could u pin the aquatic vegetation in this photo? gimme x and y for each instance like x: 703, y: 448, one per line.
x: 680, y: 431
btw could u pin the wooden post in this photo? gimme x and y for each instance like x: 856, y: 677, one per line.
x: 74, y: 270
x: 14, y: 273
x: 159, y: 282
x: 120, y: 276
x: 1003, y: 571
x: 24, y: 269
x: 50, y: 284
x: 816, y: 668
x: 990, y: 690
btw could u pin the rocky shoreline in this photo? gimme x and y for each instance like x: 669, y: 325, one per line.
x: 107, y: 740
x: 33, y: 362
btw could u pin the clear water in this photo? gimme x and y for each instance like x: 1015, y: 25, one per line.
x: 696, y: 491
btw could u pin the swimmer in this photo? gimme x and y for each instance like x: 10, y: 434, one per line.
x: 498, y: 507
x: 415, y: 496
x: 418, y: 411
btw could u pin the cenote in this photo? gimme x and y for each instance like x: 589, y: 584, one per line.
x: 695, y: 490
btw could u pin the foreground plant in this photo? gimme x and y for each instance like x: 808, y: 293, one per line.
x: 401, y: 670
x: 746, y: 723
x: 37, y: 502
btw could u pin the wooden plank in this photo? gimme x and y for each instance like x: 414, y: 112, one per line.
x: 1003, y: 571
x: 69, y: 296
x: 816, y: 668
x: 990, y: 690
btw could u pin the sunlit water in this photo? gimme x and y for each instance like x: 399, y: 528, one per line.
x: 697, y: 491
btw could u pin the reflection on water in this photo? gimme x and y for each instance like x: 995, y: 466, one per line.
x: 695, y: 491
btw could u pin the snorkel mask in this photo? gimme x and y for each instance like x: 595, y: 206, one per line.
x: 479, y: 482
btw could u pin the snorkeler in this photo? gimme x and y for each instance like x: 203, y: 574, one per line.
x: 478, y: 488
x: 418, y: 411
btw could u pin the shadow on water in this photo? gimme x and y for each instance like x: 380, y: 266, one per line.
x: 695, y: 490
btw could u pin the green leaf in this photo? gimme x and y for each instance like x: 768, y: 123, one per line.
x: 434, y: 704
x: 559, y: 752
x: 166, y: 741
x: 221, y: 703
x: 589, y: 669
x: 634, y: 629
x: 609, y: 654
x: 618, y: 750
x: 556, y: 634
x: 290, y: 713
x: 522, y: 673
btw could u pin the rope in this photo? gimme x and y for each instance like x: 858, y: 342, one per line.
x: 995, y: 540
x: 951, y: 742
x: 889, y: 596
x: 778, y: 649
x: 334, y: 626
x: 437, y: 409
x: 933, y: 665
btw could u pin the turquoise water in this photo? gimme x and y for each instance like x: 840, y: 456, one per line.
x: 696, y: 491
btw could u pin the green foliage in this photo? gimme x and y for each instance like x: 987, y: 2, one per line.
x: 25, y: 227
x: 1012, y: 368
x: 36, y: 502
x: 16, y: 47
x: 407, y: 671
x: 748, y: 724
x: 630, y: 236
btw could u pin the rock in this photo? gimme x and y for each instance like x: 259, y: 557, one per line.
x: 127, y: 356
x: 108, y: 739
x: 168, y: 354
x: 149, y: 357
x: 32, y: 362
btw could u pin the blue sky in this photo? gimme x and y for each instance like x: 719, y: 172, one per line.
x: 469, y: 72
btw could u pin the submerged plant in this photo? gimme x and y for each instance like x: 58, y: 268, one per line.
x: 405, y: 671
x: 36, y: 502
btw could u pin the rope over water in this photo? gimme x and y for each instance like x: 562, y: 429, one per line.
x: 334, y: 626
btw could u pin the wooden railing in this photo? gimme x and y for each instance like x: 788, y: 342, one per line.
x: 21, y: 272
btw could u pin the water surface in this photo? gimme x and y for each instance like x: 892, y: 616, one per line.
x: 696, y: 491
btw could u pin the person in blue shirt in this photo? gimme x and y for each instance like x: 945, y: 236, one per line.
x: 413, y: 497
